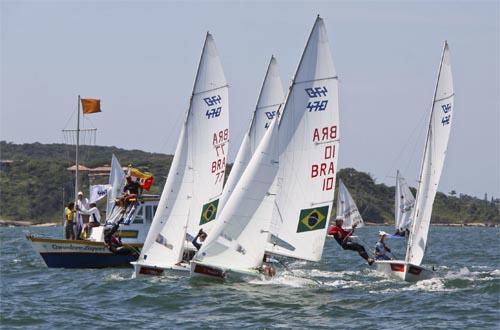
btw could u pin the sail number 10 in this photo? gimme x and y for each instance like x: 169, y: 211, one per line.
x: 326, y: 168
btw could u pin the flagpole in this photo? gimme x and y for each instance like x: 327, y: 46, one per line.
x: 77, y: 147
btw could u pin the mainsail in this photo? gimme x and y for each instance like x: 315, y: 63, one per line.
x: 433, y: 159
x: 308, y: 152
x: 404, y: 203
x: 238, y: 239
x: 347, y: 209
x: 270, y: 100
x: 190, y: 197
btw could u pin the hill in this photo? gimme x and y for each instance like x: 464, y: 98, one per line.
x: 34, y: 181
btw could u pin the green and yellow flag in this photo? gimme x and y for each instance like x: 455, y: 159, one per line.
x: 312, y: 219
x: 209, y: 211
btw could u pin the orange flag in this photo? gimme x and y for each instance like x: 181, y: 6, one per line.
x: 91, y: 105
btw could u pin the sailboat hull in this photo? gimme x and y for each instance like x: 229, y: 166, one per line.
x: 61, y: 253
x: 146, y: 270
x: 215, y: 272
x: 402, y: 270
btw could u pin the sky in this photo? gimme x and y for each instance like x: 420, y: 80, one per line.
x: 140, y: 58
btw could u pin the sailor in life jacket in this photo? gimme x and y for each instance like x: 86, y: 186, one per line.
x: 342, y: 237
x: 380, y: 248
x: 199, y: 239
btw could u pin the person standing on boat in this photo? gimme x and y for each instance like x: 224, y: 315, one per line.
x: 343, y: 238
x: 380, y: 248
x: 69, y: 221
x: 94, y: 218
x: 82, y: 205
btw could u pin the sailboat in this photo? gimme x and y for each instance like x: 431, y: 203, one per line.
x: 92, y: 252
x: 191, y: 194
x: 297, y: 156
x: 347, y: 209
x: 434, y: 154
x: 403, y: 206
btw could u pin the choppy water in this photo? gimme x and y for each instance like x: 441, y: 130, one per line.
x: 339, y: 292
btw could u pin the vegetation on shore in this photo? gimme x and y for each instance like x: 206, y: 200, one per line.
x: 35, y: 183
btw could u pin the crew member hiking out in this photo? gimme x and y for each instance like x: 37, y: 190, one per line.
x: 343, y: 238
x: 114, y: 244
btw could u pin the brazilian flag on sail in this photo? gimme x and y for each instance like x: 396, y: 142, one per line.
x: 209, y: 211
x: 312, y: 219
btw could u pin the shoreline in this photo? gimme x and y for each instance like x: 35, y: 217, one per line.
x: 25, y: 223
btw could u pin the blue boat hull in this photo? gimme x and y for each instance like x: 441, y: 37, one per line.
x: 86, y: 260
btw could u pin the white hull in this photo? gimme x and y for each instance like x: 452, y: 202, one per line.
x: 215, y: 272
x: 402, y: 270
x: 143, y: 270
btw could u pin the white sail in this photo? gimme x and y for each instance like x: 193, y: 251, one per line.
x: 347, y: 209
x: 308, y: 148
x: 117, y: 182
x: 433, y: 159
x: 189, y: 198
x: 404, y: 203
x: 270, y: 100
x: 237, y: 241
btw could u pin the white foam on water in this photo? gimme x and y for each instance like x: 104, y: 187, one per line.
x: 495, y: 273
x: 343, y: 284
x: 298, y: 263
x: 325, y: 273
x: 463, y: 273
x: 116, y: 277
x: 285, y: 280
x: 431, y: 285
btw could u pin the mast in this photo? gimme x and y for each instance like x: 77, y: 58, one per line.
x: 77, y: 147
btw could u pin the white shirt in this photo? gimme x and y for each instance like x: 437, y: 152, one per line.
x: 95, y: 215
x: 83, y: 205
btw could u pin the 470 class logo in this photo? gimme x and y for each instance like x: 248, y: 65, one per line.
x: 314, y: 92
x: 213, y: 101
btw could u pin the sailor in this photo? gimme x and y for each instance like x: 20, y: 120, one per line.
x: 380, y: 248
x: 114, y: 244
x: 343, y: 238
x: 400, y: 232
x: 69, y: 223
x: 132, y: 187
x: 199, y: 239
x: 267, y: 267
x: 82, y: 204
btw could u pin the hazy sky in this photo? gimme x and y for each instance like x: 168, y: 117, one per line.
x: 140, y: 58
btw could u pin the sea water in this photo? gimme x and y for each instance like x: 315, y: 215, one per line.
x: 341, y: 291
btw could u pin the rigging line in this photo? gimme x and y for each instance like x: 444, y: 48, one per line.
x: 416, y: 128
x: 180, y: 115
x: 69, y: 119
